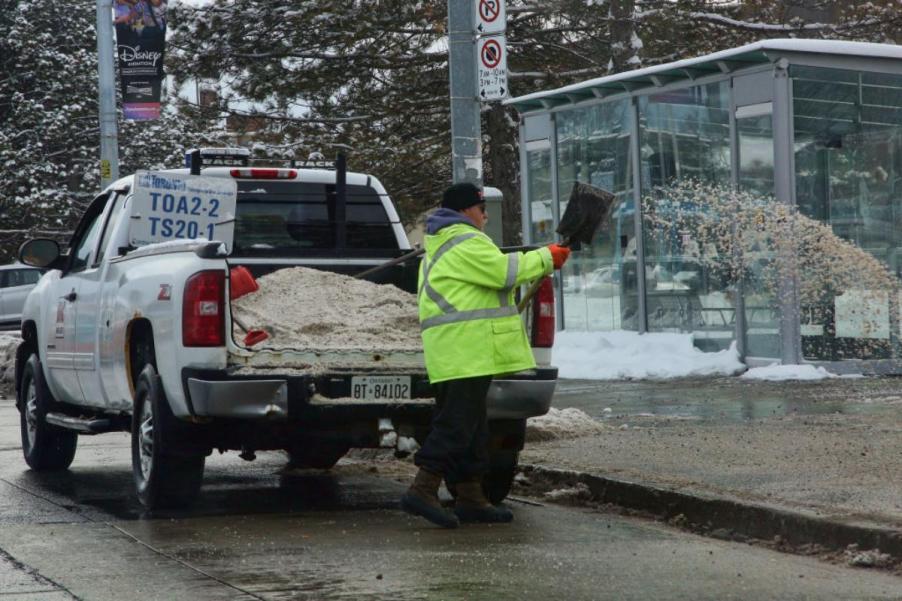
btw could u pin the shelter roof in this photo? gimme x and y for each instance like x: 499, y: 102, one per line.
x: 725, y: 61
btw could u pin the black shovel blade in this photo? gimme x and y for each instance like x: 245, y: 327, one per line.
x: 587, y: 209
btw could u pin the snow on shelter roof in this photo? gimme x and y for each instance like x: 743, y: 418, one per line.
x: 725, y: 61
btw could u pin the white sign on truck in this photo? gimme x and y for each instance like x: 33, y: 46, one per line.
x: 178, y: 206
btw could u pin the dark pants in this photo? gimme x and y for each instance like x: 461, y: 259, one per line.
x: 457, y: 445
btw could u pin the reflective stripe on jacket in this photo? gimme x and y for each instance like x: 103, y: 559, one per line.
x: 469, y: 321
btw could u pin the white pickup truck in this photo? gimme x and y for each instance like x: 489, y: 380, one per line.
x: 139, y: 338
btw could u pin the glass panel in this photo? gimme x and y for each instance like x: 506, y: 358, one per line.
x: 755, y: 146
x: 290, y: 219
x: 82, y: 252
x: 538, y: 183
x: 30, y: 276
x: 848, y: 155
x: 112, y: 220
x: 599, y: 282
x: 685, y: 136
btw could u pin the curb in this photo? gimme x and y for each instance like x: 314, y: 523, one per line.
x: 729, y: 519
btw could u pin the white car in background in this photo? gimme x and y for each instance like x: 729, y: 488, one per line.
x: 16, y: 281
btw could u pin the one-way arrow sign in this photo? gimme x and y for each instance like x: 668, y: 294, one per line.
x: 491, y: 67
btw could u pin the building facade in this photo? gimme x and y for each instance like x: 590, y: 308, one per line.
x: 759, y: 189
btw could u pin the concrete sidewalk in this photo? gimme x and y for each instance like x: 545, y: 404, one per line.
x: 821, y: 462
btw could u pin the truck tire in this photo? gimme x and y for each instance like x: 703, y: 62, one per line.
x: 163, y: 480
x: 45, y: 447
x: 496, y: 484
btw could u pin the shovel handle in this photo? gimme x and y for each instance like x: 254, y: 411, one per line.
x: 395, y: 261
x: 533, y: 288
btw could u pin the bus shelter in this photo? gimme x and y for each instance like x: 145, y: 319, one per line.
x: 759, y: 200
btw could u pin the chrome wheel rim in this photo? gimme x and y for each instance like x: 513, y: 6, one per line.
x: 31, y: 413
x: 145, y: 439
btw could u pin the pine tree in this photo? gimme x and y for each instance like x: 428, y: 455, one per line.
x: 49, y: 125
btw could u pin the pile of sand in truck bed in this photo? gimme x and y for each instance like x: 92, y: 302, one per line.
x: 304, y: 308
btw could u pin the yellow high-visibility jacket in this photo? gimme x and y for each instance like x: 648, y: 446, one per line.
x: 468, y: 318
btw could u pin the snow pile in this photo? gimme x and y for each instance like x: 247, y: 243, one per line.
x: 871, y: 558
x: 780, y: 373
x: 562, y: 423
x: 8, y: 345
x: 620, y: 354
x: 575, y: 494
x: 313, y: 309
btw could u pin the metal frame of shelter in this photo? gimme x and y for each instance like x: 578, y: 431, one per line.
x: 774, y: 57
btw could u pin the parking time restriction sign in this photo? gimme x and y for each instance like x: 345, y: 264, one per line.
x: 491, y: 68
x: 489, y: 17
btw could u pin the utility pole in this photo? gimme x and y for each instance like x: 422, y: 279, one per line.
x: 466, y: 129
x: 109, y: 137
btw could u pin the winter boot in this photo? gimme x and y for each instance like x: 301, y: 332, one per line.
x: 472, y: 506
x: 422, y: 499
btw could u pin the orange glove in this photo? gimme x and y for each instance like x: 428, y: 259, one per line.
x: 559, y: 255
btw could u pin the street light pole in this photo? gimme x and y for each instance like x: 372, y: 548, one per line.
x: 466, y: 129
x: 109, y: 137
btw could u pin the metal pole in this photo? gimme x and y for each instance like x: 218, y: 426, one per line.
x: 341, y: 199
x: 784, y: 176
x: 466, y: 136
x: 639, y: 227
x: 194, y: 162
x: 109, y: 138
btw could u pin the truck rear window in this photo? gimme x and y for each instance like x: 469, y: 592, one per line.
x: 293, y: 218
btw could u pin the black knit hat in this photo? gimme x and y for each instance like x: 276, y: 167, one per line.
x: 462, y: 196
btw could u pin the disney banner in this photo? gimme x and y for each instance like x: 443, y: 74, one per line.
x: 141, y: 42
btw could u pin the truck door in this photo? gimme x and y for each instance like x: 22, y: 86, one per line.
x: 59, y: 317
x: 91, y: 327
x: 64, y: 354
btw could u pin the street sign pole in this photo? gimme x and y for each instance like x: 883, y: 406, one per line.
x: 109, y: 137
x: 466, y: 129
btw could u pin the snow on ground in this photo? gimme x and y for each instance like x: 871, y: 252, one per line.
x: 8, y: 344
x: 779, y: 373
x: 562, y: 423
x: 621, y: 354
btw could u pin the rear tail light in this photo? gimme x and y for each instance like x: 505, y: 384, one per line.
x: 543, y: 315
x: 203, y: 309
x: 264, y: 173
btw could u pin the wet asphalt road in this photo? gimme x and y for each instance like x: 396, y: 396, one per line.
x: 257, y: 534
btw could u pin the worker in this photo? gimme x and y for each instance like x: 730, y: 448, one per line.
x: 471, y: 331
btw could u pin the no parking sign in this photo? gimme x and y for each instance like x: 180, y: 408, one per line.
x: 489, y: 17
x: 491, y: 67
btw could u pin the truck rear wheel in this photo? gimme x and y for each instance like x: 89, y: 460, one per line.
x: 45, y: 447
x: 162, y: 479
x: 498, y: 481
x: 496, y: 484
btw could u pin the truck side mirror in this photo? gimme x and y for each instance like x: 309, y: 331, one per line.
x: 40, y: 252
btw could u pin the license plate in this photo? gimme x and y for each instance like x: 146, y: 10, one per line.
x: 380, y: 388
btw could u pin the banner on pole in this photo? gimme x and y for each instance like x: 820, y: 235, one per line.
x: 141, y: 44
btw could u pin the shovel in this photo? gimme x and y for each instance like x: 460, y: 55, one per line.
x: 405, y: 257
x: 587, y: 209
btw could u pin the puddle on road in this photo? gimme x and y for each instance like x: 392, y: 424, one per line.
x: 729, y: 400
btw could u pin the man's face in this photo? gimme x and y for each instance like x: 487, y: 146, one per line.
x: 477, y: 214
